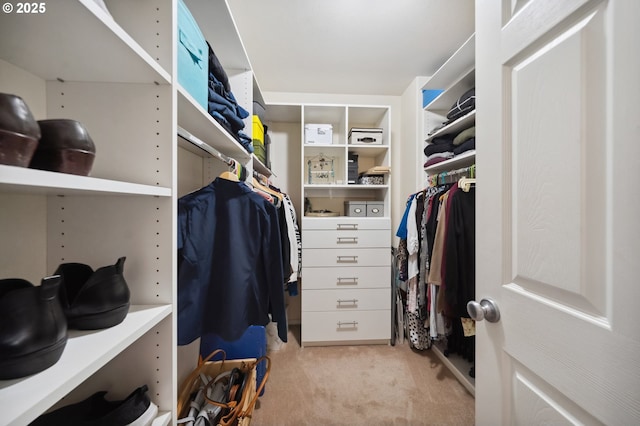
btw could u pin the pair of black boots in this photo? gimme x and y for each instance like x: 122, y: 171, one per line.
x: 34, y: 319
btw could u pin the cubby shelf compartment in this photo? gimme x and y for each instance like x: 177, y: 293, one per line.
x: 95, y: 47
x: 85, y: 353
x: 196, y: 121
x: 23, y: 180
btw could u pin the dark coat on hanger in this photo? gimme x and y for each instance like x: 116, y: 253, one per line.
x: 229, y: 263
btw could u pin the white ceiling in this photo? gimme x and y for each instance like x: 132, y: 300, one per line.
x: 373, y: 47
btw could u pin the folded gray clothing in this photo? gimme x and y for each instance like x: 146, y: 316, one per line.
x: 433, y: 148
x: 464, y: 135
x: 468, y: 145
x: 445, y: 155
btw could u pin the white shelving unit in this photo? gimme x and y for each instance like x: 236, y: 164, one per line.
x: 453, y: 78
x: 342, y: 118
x: 115, y: 73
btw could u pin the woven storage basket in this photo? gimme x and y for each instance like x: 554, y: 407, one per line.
x: 238, y: 414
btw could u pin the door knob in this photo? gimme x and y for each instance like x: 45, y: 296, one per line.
x: 486, y: 309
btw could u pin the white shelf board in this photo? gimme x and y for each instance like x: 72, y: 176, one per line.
x: 163, y: 419
x: 455, y: 127
x: 368, y: 150
x: 220, y: 30
x: 463, y: 160
x: 85, y: 353
x: 91, y: 47
x: 195, y: 120
x: 31, y: 181
x: 458, y: 64
x: 259, y: 167
x: 446, y: 99
x: 317, y: 147
x: 459, y: 367
x: 344, y: 186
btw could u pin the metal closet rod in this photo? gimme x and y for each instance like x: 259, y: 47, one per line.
x: 452, y: 176
x: 206, y: 147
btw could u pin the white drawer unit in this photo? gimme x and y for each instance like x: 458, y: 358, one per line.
x: 346, y: 299
x: 346, y: 223
x: 331, y: 238
x: 346, y: 257
x: 346, y: 280
x: 335, y: 327
x: 345, y: 277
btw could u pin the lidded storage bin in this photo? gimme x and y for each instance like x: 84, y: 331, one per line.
x: 318, y: 134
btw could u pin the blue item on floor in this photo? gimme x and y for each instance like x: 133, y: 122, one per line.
x: 252, y: 344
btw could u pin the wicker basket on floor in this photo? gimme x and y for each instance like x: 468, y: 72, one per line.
x: 235, y: 413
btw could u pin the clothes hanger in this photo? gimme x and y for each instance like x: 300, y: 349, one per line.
x: 464, y: 183
x: 232, y: 174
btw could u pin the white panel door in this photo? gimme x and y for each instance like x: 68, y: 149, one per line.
x: 558, y: 244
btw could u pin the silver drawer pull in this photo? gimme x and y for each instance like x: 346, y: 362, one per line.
x: 347, y: 281
x: 342, y: 226
x: 347, y: 240
x: 351, y: 301
x: 350, y: 324
x: 347, y: 259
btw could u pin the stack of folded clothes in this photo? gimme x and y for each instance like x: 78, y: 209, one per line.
x: 465, y: 141
x: 438, y: 150
x: 223, y: 105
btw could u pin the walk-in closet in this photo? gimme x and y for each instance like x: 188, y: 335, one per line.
x: 276, y: 212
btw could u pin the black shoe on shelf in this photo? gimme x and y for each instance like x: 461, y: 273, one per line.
x: 33, y: 328
x: 93, y: 300
x: 135, y: 410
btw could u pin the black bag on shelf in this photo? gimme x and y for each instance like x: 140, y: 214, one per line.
x: 464, y: 105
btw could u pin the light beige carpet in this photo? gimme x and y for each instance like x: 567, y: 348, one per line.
x: 360, y: 385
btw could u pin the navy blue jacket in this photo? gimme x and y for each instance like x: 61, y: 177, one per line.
x: 229, y: 263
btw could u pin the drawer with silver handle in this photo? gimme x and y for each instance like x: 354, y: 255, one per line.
x: 336, y: 239
x: 345, y: 223
x: 346, y: 257
x: 320, y: 327
x: 345, y: 277
x: 346, y: 299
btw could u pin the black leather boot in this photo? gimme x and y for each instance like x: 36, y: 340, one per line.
x: 33, y: 327
x: 93, y: 300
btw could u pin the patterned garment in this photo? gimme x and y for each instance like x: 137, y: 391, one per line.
x: 418, y: 333
x: 402, y: 257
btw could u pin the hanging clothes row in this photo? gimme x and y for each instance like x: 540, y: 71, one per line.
x: 436, y: 259
x: 234, y: 258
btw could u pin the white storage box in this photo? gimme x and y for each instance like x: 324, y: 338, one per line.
x: 358, y: 136
x: 318, y: 134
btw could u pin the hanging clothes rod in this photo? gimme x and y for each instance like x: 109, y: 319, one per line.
x: 205, y: 147
x: 261, y: 178
x: 452, y: 176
